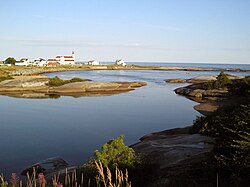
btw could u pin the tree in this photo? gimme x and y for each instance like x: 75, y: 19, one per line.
x: 10, y: 60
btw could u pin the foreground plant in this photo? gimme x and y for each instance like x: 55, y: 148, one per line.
x: 105, y: 178
x: 3, y: 182
x: 115, y: 153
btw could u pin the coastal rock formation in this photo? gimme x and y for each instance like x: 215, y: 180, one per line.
x: 174, y: 151
x: 197, y: 90
x: 26, y: 82
x: 47, y: 166
x: 36, y: 86
x: 177, y: 80
x: 200, y: 79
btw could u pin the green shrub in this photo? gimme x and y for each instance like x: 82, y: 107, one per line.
x: 115, y: 153
x: 241, y: 86
x: 56, y: 81
x: 7, y: 77
x: 221, y: 82
x: 231, y: 128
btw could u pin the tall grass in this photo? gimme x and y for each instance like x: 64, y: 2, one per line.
x: 104, y: 178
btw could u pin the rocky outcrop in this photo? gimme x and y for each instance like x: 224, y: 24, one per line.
x: 177, y: 80
x: 174, y: 151
x: 197, y: 90
x: 37, y: 86
x: 47, y: 166
x: 25, y: 82
x: 200, y: 79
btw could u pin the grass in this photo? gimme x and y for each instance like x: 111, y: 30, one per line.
x: 5, y: 77
x: 103, y: 178
x: 56, y: 81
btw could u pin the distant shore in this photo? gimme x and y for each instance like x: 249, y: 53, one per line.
x: 15, y: 70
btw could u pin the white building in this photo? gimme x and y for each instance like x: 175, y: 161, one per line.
x: 120, y: 62
x: 93, y: 63
x: 66, y: 60
x: 22, y: 62
x: 40, y: 62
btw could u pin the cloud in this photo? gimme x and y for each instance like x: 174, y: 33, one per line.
x: 81, y: 43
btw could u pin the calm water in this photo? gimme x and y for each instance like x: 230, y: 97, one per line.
x: 72, y: 128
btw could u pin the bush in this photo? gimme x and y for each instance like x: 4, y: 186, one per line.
x: 7, y: 77
x: 231, y: 128
x: 115, y: 153
x: 241, y: 86
x: 56, y: 81
x: 221, y: 82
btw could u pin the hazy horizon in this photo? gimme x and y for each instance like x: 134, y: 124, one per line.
x: 137, y: 31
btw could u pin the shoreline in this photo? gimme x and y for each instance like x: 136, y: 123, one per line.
x: 17, y: 71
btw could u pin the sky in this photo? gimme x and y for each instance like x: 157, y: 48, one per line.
x: 214, y: 31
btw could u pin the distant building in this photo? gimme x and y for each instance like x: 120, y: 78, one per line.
x: 120, y: 62
x: 93, y: 63
x: 52, y: 62
x: 66, y: 60
x: 22, y: 62
x: 62, y: 60
x: 40, y: 62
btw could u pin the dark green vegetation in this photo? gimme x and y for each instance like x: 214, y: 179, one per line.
x: 6, y: 77
x: 238, y: 86
x: 231, y: 128
x: 10, y: 60
x: 114, y: 153
x: 241, y: 86
x: 56, y: 81
x: 221, y: 82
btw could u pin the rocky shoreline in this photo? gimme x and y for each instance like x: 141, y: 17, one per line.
x: 37, y: 87
x: 40, y: 70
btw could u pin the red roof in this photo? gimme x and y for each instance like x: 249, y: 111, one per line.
x: 68, y: 60
x: 68, y: 57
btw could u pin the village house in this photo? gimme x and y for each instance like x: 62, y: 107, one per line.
x: 120, y: 62
x: 40, y: 62
x: 22, y: 62
x: 93, y: 63
x: 52, y: 62
x: 62, y: 60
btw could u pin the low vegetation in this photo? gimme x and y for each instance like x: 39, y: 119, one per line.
x: 221, y: 82
x: 237, y: 87
x: 103, y: 178
x: 56, y: 81
x: 5, y: 77
x: 231, y: 128
x: 116, y: 154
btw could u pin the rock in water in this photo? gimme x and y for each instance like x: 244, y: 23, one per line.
x: 49, y: 165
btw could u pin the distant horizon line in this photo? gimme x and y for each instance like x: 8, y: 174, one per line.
x: 166, y: 62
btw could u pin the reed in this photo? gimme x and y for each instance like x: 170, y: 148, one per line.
x: 104, y: 178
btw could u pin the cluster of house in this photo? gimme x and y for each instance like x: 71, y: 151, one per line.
x: 59, y: 60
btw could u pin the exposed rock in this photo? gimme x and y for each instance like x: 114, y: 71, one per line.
x: 35, y: 86
x: 26, y: 82
x: 174, y: 151
x: 196, y: 93
x: 201, y: 79
x: 47, y: 166
x: 175, y: 80
x: 196, y: 90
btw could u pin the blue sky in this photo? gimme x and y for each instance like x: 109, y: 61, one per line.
x: 215, y: 31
